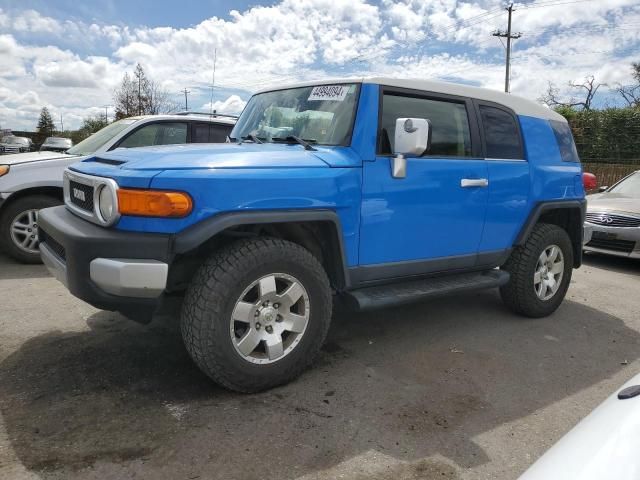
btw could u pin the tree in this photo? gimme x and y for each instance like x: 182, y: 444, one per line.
x: 631, y: 93
x: 90, y: 125
x: 45, y: 127
x: 140, y: 95
x: 589, y: 89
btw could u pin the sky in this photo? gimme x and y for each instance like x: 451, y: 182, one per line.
x: 70, y: 55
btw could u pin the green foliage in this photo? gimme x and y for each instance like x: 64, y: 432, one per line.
x: 46, y: 127
x: 606, y: 136
x: 90, y: 125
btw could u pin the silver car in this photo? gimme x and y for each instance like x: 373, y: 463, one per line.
x: 612, y: 223
x: 31, y: 181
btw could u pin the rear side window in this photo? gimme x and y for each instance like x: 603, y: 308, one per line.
x: 450, y: 124
x: 502, y: 138
x: 564, y: 137
x: 209, y: 133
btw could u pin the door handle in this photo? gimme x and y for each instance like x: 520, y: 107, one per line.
x: 474, y: 182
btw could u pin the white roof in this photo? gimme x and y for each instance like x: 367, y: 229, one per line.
x: 519, y: 105
x: 189, y: 116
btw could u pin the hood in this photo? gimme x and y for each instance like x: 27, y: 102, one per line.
x: 225, y: 155
x: 17, y: 158
x: 610, y: 202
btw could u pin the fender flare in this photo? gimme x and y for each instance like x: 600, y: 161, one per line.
x: 546, y: 206
x: 196, y: 235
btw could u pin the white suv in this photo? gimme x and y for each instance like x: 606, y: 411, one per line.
x: 31, y: 181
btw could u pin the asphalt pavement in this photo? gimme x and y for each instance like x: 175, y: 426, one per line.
x: 454, y: 388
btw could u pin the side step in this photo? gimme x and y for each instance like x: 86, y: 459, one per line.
x: 399, y: 293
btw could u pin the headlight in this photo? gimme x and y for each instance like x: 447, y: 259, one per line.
x: 107, y: 204
x: 4, y: 169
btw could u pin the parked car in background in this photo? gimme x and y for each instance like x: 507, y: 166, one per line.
x: 12, y: 144
x: 381, y: 191
x: 56, y: 144
x: 31, y: 181
x: 612, y: 223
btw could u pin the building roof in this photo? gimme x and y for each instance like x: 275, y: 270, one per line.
x: 519, y: 105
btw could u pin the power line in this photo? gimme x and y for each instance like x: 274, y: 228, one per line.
x: 509, y: 36
x: 553, y: 3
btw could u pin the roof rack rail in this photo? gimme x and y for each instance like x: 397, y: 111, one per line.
x: 214, y: 114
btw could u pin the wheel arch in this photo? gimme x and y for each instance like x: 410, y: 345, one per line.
x: 48, y: 190
x: 567, y: 214
x: 319, y: 231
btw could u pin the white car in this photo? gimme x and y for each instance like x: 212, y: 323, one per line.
x: 31, y: 181
x: 604, y: 445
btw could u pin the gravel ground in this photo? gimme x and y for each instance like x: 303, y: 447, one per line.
x: 456, y: 388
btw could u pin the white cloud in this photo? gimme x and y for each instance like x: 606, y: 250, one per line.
x: 233, y: 105
x: 304, y: 39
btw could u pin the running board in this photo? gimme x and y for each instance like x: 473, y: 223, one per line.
x: 415, y: 290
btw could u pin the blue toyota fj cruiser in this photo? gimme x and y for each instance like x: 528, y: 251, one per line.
x: 379, y: 191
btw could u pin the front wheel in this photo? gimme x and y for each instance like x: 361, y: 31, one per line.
x: 256, y: 313
x: 540, y: 272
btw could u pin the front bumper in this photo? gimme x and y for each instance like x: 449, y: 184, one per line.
x: 618, y: 241
x: 109, y: 269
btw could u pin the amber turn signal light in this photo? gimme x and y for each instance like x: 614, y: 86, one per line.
x: 154, y: 203
x: 4, y: 169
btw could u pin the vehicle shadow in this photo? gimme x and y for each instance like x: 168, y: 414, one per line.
x: 410, y: 382
x: 11, y: 269
x: 613, y: 263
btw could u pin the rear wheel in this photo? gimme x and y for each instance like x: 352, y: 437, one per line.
x: 256, y: 313
x: 540, y: 272
x: 19, y: 227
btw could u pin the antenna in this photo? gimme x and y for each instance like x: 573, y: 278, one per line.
x: 213, y: 79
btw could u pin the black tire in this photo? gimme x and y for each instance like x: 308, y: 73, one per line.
x: 519, y: 293
x: 10, y: 212
x: 211, y: 298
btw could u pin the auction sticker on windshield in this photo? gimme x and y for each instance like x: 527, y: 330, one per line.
x: 332, y: 93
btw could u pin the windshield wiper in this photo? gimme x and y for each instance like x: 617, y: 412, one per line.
x: 306, y: 143
x: 252, y: 137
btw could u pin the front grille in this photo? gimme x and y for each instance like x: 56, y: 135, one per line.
x: 52, y: 244
x: 612, y: 220
x: 81, y: 195
x: 625, y: 246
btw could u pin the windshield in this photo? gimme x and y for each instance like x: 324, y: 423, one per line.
x: 629, y: 186
x: 15, y: 140
x: 98, y: 139
x: 321, y: 114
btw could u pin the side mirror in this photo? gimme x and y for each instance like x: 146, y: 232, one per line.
x: 412, y: 138
x: 603, y: 189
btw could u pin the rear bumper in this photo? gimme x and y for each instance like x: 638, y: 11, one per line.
x: 109, y: 269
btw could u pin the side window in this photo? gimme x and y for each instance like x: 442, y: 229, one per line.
x: 156, y: 134
x: 450, y: 124
x: 219, y: 133
x: 200, y: 133
x: 564, y: 137
x: 209, y: 133
x: 501, y: 134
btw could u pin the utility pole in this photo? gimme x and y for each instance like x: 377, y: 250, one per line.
x: 61, y: 124
x: 186, y: 102
x: 509, y: 37
x: 106, y: 114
